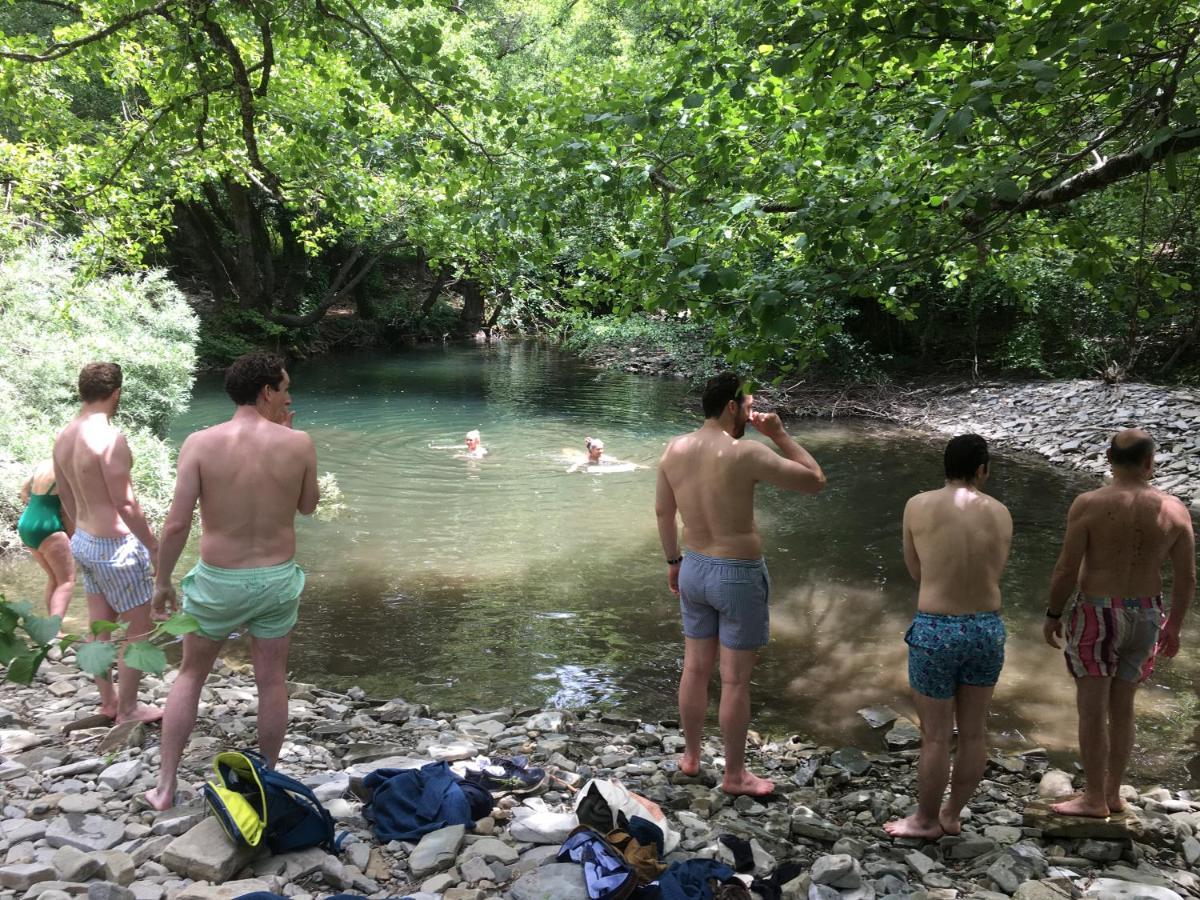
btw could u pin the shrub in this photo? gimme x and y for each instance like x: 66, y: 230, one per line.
x: 53, y: 320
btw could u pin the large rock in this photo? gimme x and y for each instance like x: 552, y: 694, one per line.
x: 72, y: 864
x: 121, y: 775
x: 806, y: 823
x: 1019, y: 864
x: 1126, y: 826
x: 904, y: 735
x: 437, y: 850
x: 225, y: 891
x: 1054, y: 784
x: 1100, y: 851
x: 22, y: 876
x: 1043, y: 890
x: 554, y: 881
x: 838, y: 870
x: 543, y: 827
x: 108, y: 890
x: 850, y: 759
x: 878, y: 716
x: 117, y: 866
x: 88, y: 833
x: 491, y: 849
x: 206, y: 853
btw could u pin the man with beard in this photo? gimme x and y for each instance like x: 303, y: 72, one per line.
x: 708, y: 476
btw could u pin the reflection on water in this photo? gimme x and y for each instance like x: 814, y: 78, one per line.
x: 505, y: 580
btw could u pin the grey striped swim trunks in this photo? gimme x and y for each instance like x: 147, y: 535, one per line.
x: 725, y: 598
x: 118, y: 568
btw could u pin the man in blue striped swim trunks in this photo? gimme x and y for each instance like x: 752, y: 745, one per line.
x: 112, y: 544
x: 707, y: 477
x: 956, y: 543
x: 251, y: 475
x: 1117, y: 539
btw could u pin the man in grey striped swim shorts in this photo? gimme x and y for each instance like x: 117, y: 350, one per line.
x: 707, y: 477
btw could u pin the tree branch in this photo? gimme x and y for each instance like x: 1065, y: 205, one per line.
x: 55, y: 51
x: 337, y: 291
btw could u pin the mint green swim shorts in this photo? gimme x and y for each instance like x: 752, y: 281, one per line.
x: 267, y: 599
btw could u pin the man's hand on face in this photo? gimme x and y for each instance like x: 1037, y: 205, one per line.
x: 288, y: 416
x: 767, y: 424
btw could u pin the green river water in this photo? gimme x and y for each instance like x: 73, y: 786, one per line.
x: 482, y: 583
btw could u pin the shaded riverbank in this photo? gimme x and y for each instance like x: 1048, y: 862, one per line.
x: 70, y: 827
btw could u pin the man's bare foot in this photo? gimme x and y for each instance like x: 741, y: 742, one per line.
x: 914, y: 827
x: 1082, y: 806
x: 109, y: 710
x: 1116, y: 806
x: 159, y: 800
x: 748, y: 785
x: 951, y: 823
x: 145, y: 714
x: 689, y: 764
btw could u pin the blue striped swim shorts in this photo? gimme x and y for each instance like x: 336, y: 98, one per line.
x: 118, y: 568
x: 725, y: 598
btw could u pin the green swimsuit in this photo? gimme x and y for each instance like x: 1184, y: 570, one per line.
x: 41, y: 518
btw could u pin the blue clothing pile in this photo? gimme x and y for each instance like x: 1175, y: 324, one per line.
x: 408, y: 803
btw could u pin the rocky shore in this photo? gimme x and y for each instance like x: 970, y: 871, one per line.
x: 1067, y: 423
x: 70, y: 825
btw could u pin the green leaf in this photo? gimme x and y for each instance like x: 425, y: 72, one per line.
x: 24, y: 667
x: 103, y: 626
x: 43, y: 629
x: 691, y: 101
x: 180, y: 623
x: 96, y: 657
x: 960, y: 122
x: 747, y: 202
x: 936, y: 122
x: 678, y: 241
x: 631, y: 254
x: 10, y: 647
x: 144, y: 656
x: 1008, y: 190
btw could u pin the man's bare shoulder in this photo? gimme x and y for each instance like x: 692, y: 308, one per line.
x: 1174, y: 508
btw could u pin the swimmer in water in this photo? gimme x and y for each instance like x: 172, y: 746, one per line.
x: 595, y: 462
x: 474, y: 450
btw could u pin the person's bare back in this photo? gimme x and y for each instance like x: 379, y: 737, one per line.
x: 961, y: 538
x: 1131, y: 530
x: 92, y: 465
x: 254, y: 476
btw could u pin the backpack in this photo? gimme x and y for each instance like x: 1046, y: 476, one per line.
x: 255, y: 804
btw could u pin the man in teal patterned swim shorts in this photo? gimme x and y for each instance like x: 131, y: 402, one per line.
x: 956, y: 543
x: 251, y: 475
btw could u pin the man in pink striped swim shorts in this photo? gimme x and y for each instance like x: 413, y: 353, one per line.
x: 1117, y: 539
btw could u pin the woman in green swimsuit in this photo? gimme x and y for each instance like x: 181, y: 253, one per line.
x: 43, y: 531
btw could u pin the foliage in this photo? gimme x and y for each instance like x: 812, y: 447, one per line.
x: 809, y: 181
x: 26, y: 639
x: 54, y: 318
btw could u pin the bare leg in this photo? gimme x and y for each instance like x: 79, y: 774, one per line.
x: 970, y: 753
x: 1091, y: 698
x: 199, y: 654
x: 699, y: 656
x: 933, y: 771
x: 51, y: 582
x: 138, y: 625
x: 1120, y: 740
x: 270, y: 674
x: 736, y: 666
x: 60, y: 565
x: 98, y: 609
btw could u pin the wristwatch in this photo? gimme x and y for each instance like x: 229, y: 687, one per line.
x: 676, y: 561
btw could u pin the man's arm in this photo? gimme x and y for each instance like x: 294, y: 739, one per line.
x: 666, y: 510
x: 911, y: 560
x: 178, y: 525
x: 1183, y: 583
x: 117, y: 466
x: 793, y: 468
x: 310, y: 493
x: 1066, y: 570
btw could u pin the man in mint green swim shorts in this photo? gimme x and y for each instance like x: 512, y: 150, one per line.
x: 250, y: 475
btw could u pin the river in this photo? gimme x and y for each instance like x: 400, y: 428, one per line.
x: 480, y: 583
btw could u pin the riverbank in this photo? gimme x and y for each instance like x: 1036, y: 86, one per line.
x: 1068, y: 423
x: 70, y: 826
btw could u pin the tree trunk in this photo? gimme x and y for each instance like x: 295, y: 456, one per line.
x: 440, y: 279
x: 472, y: 312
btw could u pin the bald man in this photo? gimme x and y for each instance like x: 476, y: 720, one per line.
x: 1118, y: 538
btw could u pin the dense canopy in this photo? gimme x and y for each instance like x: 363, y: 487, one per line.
x: 823, y: 179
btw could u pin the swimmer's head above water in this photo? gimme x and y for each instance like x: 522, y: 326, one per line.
x: 473, y: 439
x: 595, y: 449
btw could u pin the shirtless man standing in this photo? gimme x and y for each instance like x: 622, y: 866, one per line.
x: 1117, y: 539
x: 708, y: 478
x: 956, y: 543
x: 251, y: 476
x: 112, y: 545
